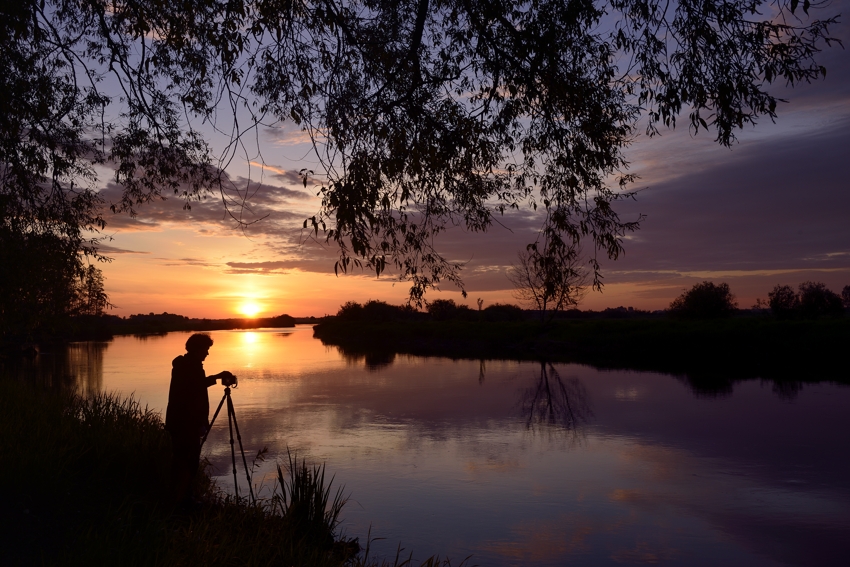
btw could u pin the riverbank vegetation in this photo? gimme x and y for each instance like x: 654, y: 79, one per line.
x: 86, y: 483
x: 746, y: 346
x: 738, y: 344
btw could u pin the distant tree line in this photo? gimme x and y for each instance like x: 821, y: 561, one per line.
x: 437, y: 310
x: 448, y: 310
x: 704, y: 300
x: 811, y: 300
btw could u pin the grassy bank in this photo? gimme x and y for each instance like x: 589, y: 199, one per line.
x: 743, y: 347
x: 85, y: 482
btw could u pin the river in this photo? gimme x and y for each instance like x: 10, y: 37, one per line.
x: 523, y: 463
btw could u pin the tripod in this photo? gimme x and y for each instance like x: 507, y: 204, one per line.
x: 231, y: 423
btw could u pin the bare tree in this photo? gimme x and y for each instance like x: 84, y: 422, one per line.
x: 549, y: 281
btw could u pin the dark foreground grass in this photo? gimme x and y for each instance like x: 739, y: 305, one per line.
x: 85, y: 482
x: 738, y: 347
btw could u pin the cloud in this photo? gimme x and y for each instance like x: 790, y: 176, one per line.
x: 774, y: 205
x: 107, y: 249
x: 258, y: 267
x: 288, y: 135
x: 268, y: 209
x: 188, y: 262
x: 308, y: 256
x: 288, y: 176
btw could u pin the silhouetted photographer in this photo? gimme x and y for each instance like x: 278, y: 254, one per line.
x: 187, y: 415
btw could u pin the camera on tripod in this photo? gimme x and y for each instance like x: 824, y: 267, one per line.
x: 229, y: 380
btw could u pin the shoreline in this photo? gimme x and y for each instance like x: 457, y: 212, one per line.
x: 87, y: 483
x: 105, y: 327
x: 734, y: 348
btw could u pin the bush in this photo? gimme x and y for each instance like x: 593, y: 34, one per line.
x: 503, y: 312
x: 381, y: 311
x: 783, y: 301
x: 705, y: 301
x: 350, y: 311
x: 447, y: 309
x: 845, y: 296
x: 442, y: 309
x: 817, y: 300
x: 374, y: 311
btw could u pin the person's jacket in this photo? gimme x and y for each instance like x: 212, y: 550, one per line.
x: 188, y: 408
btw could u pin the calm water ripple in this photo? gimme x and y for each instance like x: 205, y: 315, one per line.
x: 525, y: 463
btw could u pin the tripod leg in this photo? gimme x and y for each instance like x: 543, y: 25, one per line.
x: 215, y: 415
x: 242, y: 450
x: 232, y: 449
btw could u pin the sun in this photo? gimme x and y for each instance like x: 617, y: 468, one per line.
x: 250, y: 308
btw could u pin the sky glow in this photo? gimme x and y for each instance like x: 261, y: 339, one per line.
x: 771, y: 210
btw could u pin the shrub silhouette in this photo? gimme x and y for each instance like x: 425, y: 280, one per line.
x: 783, y: 301
x: 442, y: 309
x: 374, y: 311
x: 379, y: 311
x: 503, y: 312
x: 705, y: 300
x: 350, y: 311
x: 845, y: 296
x: 816, y: 300
x: 447, y: 309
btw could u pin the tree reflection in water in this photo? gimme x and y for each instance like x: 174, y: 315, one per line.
x: 373, y: 360
x: 76, y: 366
x: 555, y: 403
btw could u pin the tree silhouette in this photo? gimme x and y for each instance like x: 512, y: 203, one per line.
x: 45, y: 284
x: 817, y: 300
x: 704, y: 300
x: 783, y: 301
x: 422, y: 113
x: 812, y: 300
x: 549, y: 282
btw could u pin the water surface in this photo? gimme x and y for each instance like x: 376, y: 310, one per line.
x: 521, y: 463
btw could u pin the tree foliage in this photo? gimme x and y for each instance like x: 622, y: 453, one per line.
x: 783, y: 301
x: 45, y: 285
x: 812, y: 300
x: 705, y: 300
x: 817, y: 300
x: 422, y: 113
x: 374, y: 311
x: 447, y: 309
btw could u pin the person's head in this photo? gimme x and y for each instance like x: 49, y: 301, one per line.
x: 198, y: 345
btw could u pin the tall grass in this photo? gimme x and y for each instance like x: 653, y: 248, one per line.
x: 85, y: 482
x: 305, y: 502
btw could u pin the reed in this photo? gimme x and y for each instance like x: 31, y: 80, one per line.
x: 304, y: 502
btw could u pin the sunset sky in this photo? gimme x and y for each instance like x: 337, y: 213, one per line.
x: 773, y: 209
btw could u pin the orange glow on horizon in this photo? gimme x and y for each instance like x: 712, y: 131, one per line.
x: 250, y: 309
